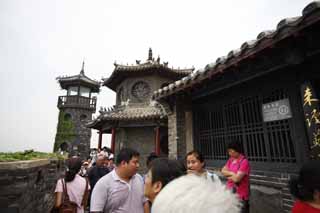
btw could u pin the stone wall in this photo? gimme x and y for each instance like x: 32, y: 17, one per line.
x: 141, y: 139
x: 270, y: 192
x: 28, y: 186
x: 81, y: 143
x: 177, y: 130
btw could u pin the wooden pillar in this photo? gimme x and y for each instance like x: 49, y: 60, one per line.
x: 157, y: 142
x: 100, y: 140
x: 113, y: 139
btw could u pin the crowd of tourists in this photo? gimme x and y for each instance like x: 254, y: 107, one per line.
x: 169, y: 186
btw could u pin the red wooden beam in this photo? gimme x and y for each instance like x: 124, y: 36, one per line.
x: 157, y: 142
x: 100, y: 140
x: 113, y: 139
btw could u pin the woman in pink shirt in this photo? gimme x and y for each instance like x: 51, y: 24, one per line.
x: 237, y: 171
x: 77, y: 186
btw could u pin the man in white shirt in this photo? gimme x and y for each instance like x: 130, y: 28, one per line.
x: 121, y: 191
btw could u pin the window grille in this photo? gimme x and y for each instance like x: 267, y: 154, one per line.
x: 242, y: 120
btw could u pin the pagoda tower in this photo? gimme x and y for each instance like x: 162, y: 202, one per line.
x: 136, y: 121
x: 75, y: 109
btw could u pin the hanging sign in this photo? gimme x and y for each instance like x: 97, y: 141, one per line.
x: 277, y: 110
x: 312, y: 118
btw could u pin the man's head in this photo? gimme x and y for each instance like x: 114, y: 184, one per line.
x: 161, y: 172
x: 150, y: 158
x: 128, y: 161
x: 193, y: 194
x: 101, y: 160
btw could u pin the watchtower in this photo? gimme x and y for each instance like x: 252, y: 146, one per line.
x: 75, y: 109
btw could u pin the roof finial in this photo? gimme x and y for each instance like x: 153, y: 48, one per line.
x: 150, y: 54
x: 82, y: 69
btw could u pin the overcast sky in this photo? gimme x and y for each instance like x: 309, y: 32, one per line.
x: 43, y: 39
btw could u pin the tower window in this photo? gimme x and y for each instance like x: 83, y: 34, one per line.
x: 67, y: 117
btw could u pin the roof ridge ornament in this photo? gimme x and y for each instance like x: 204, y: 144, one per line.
x: 82, y: 69
x: 150, y: 55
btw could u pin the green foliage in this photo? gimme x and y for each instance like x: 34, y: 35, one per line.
x: 27, y: 155
x: 65, y: 131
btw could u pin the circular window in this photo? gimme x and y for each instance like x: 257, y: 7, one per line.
x: 140, y: 90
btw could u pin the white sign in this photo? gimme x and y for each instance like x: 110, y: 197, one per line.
x: 278, y: 110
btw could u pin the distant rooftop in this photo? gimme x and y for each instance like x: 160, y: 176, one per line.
x: 80, y: 79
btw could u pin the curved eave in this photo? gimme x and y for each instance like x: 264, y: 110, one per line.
x: 99, y: 123
x: 93, y: 85
x: 122, y: 72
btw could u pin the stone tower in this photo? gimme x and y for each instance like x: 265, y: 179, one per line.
x: 75, y: 109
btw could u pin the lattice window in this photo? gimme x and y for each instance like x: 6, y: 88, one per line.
x: 242, y: 120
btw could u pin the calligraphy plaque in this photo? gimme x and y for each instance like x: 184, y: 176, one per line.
x: 277, y: 110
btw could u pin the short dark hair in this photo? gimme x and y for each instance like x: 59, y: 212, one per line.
x: 150, y: 158
x: 126, y: 155
x: 165, y: 170
x: 236, y: 146
x: 304, y: 186
x: 198, y: 155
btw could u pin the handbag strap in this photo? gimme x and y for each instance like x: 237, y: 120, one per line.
x: 85, y: 195
x: 65, y: 191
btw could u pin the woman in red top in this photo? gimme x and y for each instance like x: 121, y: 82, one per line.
x: 306, y: 188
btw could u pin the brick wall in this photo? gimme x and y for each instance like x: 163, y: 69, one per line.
x: 28, y: 186
x: 269, y: 191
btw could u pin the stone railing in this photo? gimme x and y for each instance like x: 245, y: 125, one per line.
x: 28, y: 186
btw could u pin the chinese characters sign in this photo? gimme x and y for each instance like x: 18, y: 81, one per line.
x: 312, y: 118
x: 277, y: 110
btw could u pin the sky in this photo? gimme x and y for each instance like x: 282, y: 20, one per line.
x: 43, y: 39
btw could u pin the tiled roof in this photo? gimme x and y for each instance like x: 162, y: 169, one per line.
x: 69, y: 80
x: 150, y: 66
x: 285, y: 28
x: 128, y: 113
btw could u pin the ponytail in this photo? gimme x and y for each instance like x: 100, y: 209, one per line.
x: 70, y: 175
x: 73, y: 167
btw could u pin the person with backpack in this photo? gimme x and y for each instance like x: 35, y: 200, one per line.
x: 196, y: 165
x: 237, y: 172
x: 71, y: 192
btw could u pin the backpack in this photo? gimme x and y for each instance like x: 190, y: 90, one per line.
x: 68, y: 206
